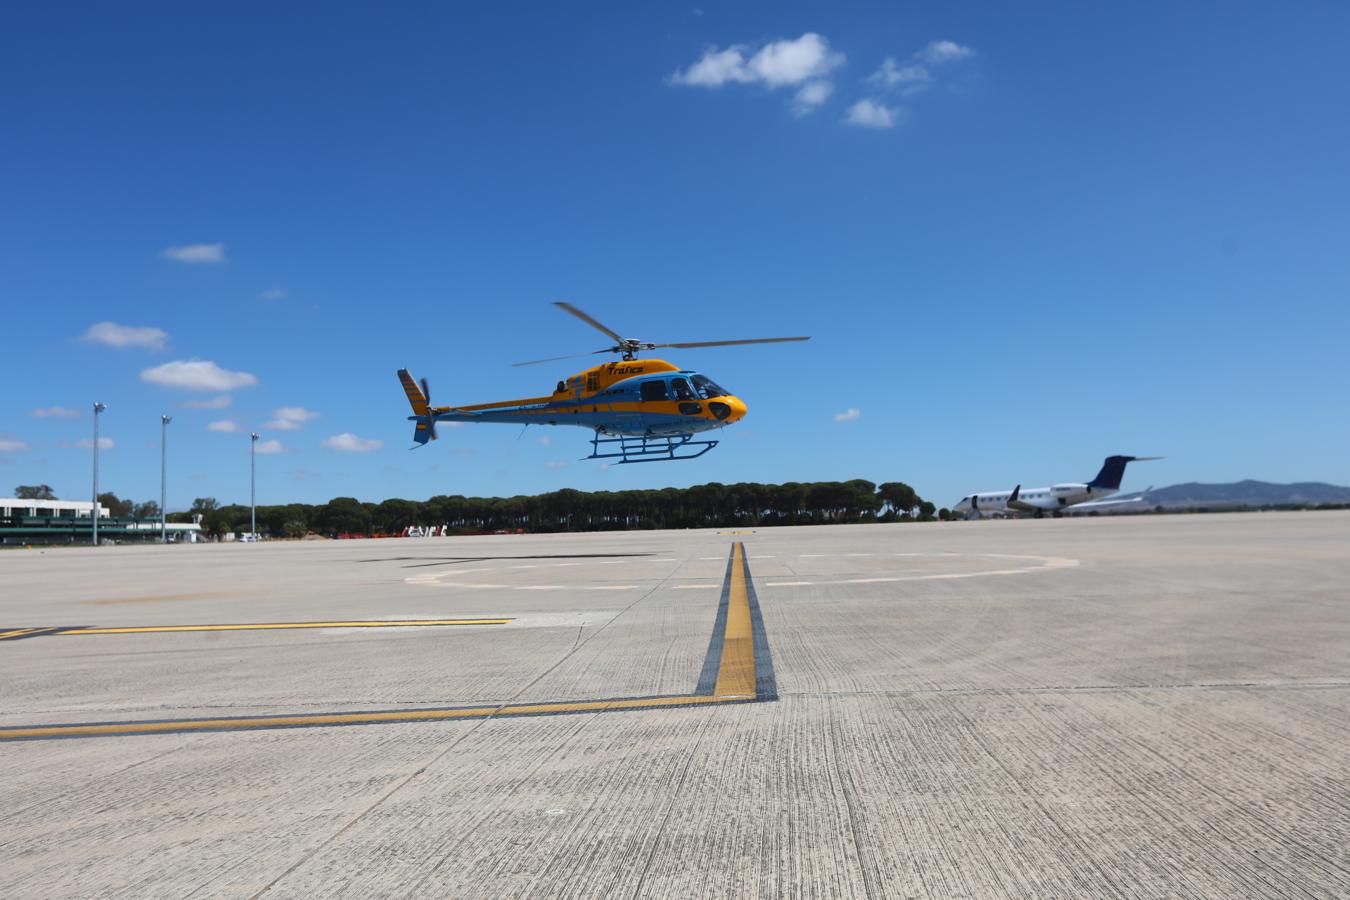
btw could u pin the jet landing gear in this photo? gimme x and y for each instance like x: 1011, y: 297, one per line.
x: 1058, y: 514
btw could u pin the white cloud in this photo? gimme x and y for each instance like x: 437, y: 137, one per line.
x: 939, y: 52
x: 811, y: 95
x: 104, y: 443
x: 290, y: 418
x: 792, y: 62
x: 9, y: 445
x: 350, y: 443
x: 122, y: 336
x: 546, y: 440
x: 848, y: 415
x: 716, y: 68
x: 220, y: 402
x: 55, y: 412
x: 226, y: 425
x: 556, y: 464
x: 269, y: 447
x: 871, y: 114
x: 275, y: 292
x: 195, y: 253
x: 906, y: 80
x: 804, y: 61
x: 910, y: 79
x: 197, y: 375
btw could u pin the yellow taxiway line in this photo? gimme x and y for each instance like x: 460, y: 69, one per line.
x: 736, y: 675
x: 265, y: 626
x: 362, y: 718
x: 735, y: 684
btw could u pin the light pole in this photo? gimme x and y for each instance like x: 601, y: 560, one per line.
x: 163, y: 475
x: 253, y: 487
x: 98, y: 408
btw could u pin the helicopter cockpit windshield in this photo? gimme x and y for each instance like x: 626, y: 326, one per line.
x: 707, y: 388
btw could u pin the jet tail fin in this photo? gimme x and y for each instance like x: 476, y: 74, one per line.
x: 1113, y: 470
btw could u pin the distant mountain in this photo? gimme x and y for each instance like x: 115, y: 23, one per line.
x: 1247, y: 493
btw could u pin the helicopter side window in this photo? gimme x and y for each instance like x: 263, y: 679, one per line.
x: 707, y: 388
x: 682, y: 389
x: 653, y: 390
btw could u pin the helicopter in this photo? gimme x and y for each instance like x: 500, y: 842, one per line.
x: 641, y: 410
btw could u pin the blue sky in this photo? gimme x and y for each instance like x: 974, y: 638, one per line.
x: 1039, y: 234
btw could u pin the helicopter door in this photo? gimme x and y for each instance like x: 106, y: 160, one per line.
x: 688, y: 400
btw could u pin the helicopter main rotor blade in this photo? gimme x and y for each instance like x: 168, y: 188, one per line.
x: 588, y: 320
x: 689, y: 344
x: 533, y: 362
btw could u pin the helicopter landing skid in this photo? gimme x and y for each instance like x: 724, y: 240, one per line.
x: 635, y: 449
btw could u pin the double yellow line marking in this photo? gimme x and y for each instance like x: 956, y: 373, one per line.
x: 255, y: 626
x: 20, y: 632
x: 735, y: 683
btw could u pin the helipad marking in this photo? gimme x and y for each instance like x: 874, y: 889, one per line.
x: 1047, y: 563
x: 738, y: 669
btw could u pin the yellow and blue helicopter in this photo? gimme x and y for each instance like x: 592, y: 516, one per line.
x: 641, y: 410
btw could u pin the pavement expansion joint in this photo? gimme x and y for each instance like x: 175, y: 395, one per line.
x: 738, y: 668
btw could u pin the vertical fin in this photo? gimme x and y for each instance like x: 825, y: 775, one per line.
x: 416, y: 398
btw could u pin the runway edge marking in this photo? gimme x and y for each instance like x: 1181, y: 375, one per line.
x: 737, y: 669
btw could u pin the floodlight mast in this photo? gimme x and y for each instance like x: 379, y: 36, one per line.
x: 253, y: 486
x: 163, y: 476
x: 98, y: 408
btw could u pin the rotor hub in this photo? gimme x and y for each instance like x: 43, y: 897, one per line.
x: 630, y: 347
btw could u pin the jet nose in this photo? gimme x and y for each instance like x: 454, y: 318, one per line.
x: 727, y: 409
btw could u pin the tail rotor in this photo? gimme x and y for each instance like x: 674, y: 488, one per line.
x: 431, y: 415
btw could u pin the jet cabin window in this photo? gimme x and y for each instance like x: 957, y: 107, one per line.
x: 681, y: 389
x: 707, y: 388
x: 653, y: 390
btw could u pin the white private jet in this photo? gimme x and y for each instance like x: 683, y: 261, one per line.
x: 1039, y: 501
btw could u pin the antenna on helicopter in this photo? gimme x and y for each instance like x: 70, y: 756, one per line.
x: 630, y: 347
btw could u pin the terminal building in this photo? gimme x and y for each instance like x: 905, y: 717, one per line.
x: 72, y: 522
x: 58, y: 509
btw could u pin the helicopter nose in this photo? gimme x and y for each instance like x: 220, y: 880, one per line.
x: 728, y: 409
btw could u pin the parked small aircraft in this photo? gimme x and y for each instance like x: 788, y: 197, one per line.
x: 641, y: 410
x: 1039, y: 501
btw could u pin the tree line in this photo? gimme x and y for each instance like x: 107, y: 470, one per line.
x: 700, y: 506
